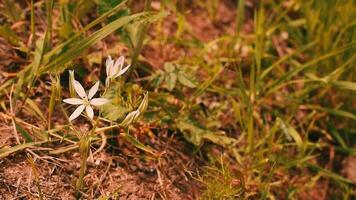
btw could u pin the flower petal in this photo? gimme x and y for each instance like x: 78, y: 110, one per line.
x: 77, y: 112
x: 89, y: 111
x: 98, y: 101
x: 73, y: 101
x: 109, y: 63
x: 93, y: 90
x: 79, y: 89
x: 123, y: 71
x: 118, y: 66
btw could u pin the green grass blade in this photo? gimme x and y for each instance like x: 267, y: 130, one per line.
x: 344, y: 85
x: 78, y: 49
x: 9, y: 150
x: 23, y: 132
x: 300, y: 68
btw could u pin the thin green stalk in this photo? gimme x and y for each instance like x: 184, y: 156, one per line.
x: 141, y: 37
x: 240, y: 17
x: 49, y: 9
x: 33, y: 33
x: 84, y: 147
x: 250, y: 130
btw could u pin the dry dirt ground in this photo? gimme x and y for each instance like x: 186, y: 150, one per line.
x: 121, y: 171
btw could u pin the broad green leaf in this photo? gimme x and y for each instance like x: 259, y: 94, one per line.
x: 114, y: 112
x: 196, y: 134
x: 184, y: 80
x: 169, y: 67
x: 171, y: 80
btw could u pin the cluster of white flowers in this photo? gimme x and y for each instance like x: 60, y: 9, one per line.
x: 113, y: 70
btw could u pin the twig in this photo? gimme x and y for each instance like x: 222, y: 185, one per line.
x: 103, y: 144
x: 102, y: 178
x: 13, y: 115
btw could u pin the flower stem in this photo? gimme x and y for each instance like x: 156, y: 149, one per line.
x: 84, y: 146
x: 141, y: 36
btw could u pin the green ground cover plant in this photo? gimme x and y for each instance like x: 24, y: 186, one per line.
x: 218, y: 99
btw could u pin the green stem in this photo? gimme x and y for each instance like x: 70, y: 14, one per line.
x: 84, y: 147
x: 141, y: 36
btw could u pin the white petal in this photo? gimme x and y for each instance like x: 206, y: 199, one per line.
x: 89, y: 111
x: 123, y: 71
x: 93, y: 90
x: 113, y: 70
x: 98, y: 101
x: 79, y: 89
x: 118, y: 66
x: 77, y: 112
x: 109, y: 63
x: 120, y: 62
x: 73, y: 101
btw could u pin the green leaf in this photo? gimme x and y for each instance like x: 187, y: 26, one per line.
x: 196, y: 134
x: 184, y: 80
x: 113, y: 112
x: 64, y: 149
x: 332, y: 111
x: 10, y: 35
x: 35, y: 108
x: 171, y: 80
x: 138, y: 144
x: 169, y: 67
x: 329, y: 174
x: 9, y: 150
x: 79, y: 47
x: 296, y: 137
x: 12, y: 10
x: 143, y: 105
x: 106, y: 5
x: 276, y: 84
x: 345, y: 85
x: 291, y: 133
x: 24, y: 133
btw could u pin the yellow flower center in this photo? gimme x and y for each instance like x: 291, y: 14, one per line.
x: 86, y: 102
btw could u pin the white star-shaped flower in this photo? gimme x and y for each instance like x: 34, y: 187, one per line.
x: 115, y: 69
x: 86, y: 101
